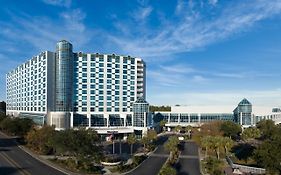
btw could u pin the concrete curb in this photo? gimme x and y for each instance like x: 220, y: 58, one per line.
x: 199, y: 155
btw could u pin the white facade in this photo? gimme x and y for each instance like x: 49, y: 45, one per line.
x: 198, y: 115
x: 28, y: 85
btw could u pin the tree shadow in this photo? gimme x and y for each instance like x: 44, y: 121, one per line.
x: 8, y: 170
x: 4, y: 149
x: 243, y: 151
x: 7, y: 142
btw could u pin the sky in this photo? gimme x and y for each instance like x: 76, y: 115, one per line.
x: 198, y: 52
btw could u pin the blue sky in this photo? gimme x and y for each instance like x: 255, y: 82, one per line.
x: 200, y: 52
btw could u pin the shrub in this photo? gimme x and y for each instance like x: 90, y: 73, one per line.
x: 167, y: 169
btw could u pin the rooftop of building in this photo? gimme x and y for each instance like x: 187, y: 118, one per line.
x: 244, y: 102
x: 140, y: 100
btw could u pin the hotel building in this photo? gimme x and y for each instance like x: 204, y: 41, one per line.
x: 68, y: 89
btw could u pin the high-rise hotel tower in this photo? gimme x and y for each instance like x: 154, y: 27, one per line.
x: 67, y: 89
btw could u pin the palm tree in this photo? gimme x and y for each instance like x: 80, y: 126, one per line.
x: 217, y: 143
x: 132, y: 140
x: 172, y: 146
x: 188, y: 129
x: 206, y: 142
x: 151, y: 134
x: 227, y: 143
x: 145, y: 140
x: 162, y: 124
x: 178, y: 128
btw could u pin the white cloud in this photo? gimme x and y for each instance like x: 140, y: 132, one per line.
x: 175, y: 75
x: 213, y: 2
x: 195, y: 30
x: 230, y: 75
x: 74, y: 20
x: 271, y: 97
x: 63, y: 3
x: 178, y: 68
x: 199, y: 79
x: 142, y: 13
x: 47, y: 32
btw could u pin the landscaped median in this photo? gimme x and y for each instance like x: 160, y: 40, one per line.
x: 173, y: 146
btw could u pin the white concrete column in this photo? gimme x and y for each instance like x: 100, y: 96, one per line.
x: 89, y: 117
x: 71, y: 119
x: 169, y: 116
x: 107, y: 117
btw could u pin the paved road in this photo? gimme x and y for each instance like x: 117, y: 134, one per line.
x: 153, y: 164
x: 189, y: 160
x: 14, y: 161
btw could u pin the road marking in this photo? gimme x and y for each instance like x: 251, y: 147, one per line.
x: 15, y: 164
x: 159, y: 155
x: 188, y: 157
